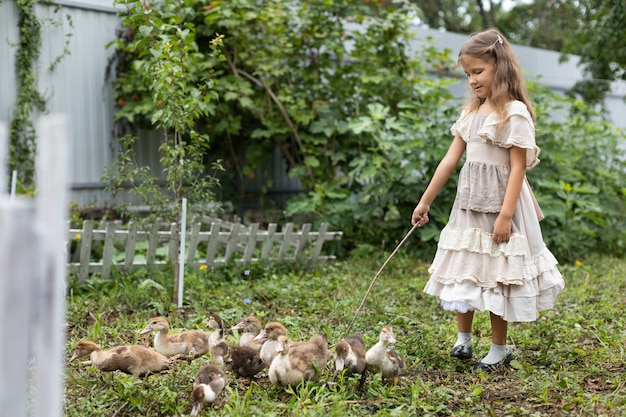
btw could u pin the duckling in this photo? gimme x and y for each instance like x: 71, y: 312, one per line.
x: 136, y: 360
x: 381, y: 359
x: 209, y: 383
x: 190, y: 343
x: 251, y: 327
x: 298, y: 362
x: 350, y: 355
x: 269, y: 335
x: 244, y: 361
x: 217, y: 341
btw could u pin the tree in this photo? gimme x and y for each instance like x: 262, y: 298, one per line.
x: 601, y: 45
x: 177, y: 81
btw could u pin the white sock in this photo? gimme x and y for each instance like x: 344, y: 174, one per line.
x: 463, y: 339
x: 495, y: 355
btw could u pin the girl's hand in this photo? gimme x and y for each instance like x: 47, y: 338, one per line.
x: 502, y: 229
x: 420, y: 215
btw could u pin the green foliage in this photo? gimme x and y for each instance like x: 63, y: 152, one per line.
x: 580, y: 181
x: 570, y: 359
x: 178, y: 80
x: 23, y: 137
x: 600, y: 43
x: 361, y: 114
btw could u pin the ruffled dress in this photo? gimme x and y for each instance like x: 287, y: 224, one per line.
x: 514, y: 280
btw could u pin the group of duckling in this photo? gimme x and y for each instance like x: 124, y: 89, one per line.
x: 259, y: 349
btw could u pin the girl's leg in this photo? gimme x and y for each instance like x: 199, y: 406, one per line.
x: 499, y: 329
x: 464, y: 321
x: 497, y: 351
x: 463, y: 346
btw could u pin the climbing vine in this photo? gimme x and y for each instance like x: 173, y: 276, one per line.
x: 22, y: 148
x: 23, y: 136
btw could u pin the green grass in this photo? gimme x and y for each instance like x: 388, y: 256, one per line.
x: 571, y: 361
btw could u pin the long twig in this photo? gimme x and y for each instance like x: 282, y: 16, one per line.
x: 358, y: 310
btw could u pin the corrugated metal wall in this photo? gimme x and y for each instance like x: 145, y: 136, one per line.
x: 79, y: 88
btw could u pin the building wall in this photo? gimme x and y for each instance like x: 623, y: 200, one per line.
x: 80, y: 87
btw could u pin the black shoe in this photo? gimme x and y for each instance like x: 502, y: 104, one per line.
x: 485, y: 367
x: 462, y: 352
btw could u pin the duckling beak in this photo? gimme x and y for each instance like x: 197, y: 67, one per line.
x: 238, y: 326
x: 74, y: 356
x: 391, y: 339
x: 148, y: 329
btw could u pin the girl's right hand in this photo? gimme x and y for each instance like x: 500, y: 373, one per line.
x: 420, y: 215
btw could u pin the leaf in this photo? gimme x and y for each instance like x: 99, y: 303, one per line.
x: 145, y: 31
x: 361, y: 124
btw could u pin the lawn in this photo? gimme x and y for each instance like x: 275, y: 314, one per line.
x: 570, y: 362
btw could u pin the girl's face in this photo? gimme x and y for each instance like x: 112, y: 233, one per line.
x: 479, y: 73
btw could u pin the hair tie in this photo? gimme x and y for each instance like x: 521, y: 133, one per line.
x: 499, y: 40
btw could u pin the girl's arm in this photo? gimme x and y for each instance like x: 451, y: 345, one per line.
x: 502, y: 226
x: 445, y: 168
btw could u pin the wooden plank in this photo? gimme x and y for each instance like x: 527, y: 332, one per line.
x: 52, y: 165
x: 231, y: 243
x: 109, y: 247
x: 319, y: 243
x: 211, y: 249
x: 194, y: 238
x: 286, y: 233
x: 153, y: 244
x: 251, y: 243
x: 131, y: 244
x: 85, y: 250
x: 172, y: 247
x: 302, y: 239
x: 19, y: 246
x: 270, y: 238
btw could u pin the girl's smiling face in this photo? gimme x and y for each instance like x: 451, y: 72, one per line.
x: 479, y: 73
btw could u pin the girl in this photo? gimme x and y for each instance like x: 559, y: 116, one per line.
x: 491, y: 255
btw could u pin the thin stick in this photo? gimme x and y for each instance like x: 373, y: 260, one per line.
x: 358, y: 310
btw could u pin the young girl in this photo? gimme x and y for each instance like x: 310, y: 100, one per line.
x: 491, y: 255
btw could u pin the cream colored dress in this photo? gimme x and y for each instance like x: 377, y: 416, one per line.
x: 517, y: 279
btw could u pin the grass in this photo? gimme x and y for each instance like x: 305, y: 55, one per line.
x: 571, y: 361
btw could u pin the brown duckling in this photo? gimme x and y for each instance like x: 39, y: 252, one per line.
x: 209, y: 383
x: 190, y: 343
x: 298, y: 362
x: 350, y: 356
x: 269, y: 335
x: 250, y: 327
x: 381, y: 359
x: 217, y: 340
x: 136, y: 360
x: 244, y: 361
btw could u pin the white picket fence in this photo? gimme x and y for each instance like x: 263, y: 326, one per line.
x: 32, y: 283
x: 100, y: 248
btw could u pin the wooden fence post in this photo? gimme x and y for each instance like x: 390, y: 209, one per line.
x: 51, y: 219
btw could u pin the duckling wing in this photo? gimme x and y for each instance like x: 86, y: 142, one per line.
x: 117, y: 358
x: 396, y: 362
x: 191, y: 342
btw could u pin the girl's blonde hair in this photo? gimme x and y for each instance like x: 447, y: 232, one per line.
x: 508, y: 83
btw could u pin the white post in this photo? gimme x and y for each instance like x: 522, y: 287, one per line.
x: 18, y: 250
x: 181, y: 257
x: 13, y: 184
x: 51, y: 219
x: 18, y: 254
x: 4, y: 152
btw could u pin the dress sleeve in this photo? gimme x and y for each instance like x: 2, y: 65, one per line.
x: 461, y: 126
x: 518, y: 130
